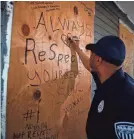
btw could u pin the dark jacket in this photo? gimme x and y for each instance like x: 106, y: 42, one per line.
x: 111, y: 115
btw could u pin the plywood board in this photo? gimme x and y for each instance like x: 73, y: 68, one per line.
x: 48, y: 94
x: 128, y: 39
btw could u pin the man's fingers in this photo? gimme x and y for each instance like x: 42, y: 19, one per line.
x: 73, y: 41
x: 70, y: 39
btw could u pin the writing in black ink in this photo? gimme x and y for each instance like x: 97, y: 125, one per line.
x: 36, y: 76
x: 18, y: 135
x: 29, y: 114
x: 43, y: 23
x: 72, y: 105
x: 30, y: 50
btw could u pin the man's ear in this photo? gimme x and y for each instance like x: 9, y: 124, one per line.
x: 99, y: 60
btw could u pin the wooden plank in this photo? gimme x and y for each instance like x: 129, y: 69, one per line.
x: 128, y: 39
x: 48, y: 93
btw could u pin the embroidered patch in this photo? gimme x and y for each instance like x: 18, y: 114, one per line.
x: 124, y: 130
x: 101, y: 106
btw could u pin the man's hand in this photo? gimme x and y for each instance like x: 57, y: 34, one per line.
x: 74, y: 43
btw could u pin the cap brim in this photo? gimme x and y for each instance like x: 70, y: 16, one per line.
x: 90, y: 47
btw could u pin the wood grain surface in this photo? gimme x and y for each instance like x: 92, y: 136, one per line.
x: 48, y: 94
x: 128, y: 39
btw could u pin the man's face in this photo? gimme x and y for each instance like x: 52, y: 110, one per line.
x: 94, y: 62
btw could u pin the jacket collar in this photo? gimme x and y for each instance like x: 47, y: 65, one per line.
x: 112, y: 81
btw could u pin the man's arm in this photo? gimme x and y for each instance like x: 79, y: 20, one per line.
x: 84, y: 58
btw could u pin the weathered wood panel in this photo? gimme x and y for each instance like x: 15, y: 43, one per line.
x: 48, y: 94
x: 128, y: 39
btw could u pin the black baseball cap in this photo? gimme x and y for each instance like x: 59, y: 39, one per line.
x: 109, y: 48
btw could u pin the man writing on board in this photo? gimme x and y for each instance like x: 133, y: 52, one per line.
x: 111, y: 115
